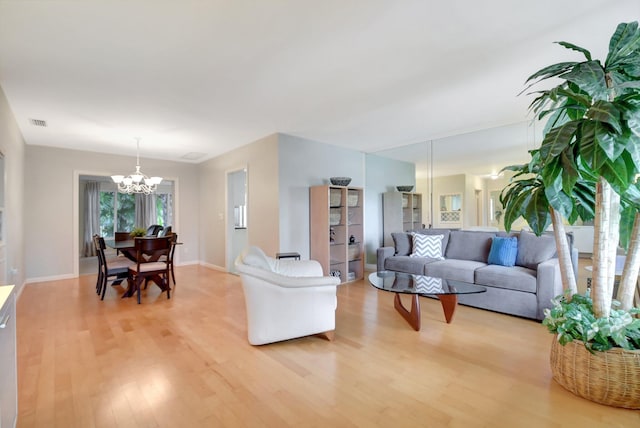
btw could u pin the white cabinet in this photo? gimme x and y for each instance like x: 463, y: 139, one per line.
x: 8, y: 367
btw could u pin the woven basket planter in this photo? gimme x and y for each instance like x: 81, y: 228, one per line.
x: 610, y: 377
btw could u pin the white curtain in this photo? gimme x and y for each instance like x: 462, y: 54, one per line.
x: 146, y: 210
x: 91, y: 217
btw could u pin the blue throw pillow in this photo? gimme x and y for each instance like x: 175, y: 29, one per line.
x: 504, y: 251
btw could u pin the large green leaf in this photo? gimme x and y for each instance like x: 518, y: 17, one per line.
x: 550, y: 71
x: 590, y: 150
x: 589, y: 76
x: 514, y: 201
x: 606, y: 112
x: 584, y: 195
x: 536, y: 213
x: 610, y: 145
x: 571, y: 95
x: 616, y: 174
x: 558, y: 117
x: 559, y: 200
x: 557, y: 140
x: 627, y: 217
x: 625, y: 40
x: 571, y: 46
x: 634, y: 84
x: 570, y: 169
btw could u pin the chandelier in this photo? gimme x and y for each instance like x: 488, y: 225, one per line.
x: 136, y: 182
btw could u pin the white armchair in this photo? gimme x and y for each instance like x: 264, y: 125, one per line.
x: 286, y: 298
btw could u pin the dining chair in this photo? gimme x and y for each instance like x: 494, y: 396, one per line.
x: 121, y: 236
x: 174, y: 240
x: 165, y: 231
x: 152, y: 255
x: 114, y: 270
x: 154, y: 230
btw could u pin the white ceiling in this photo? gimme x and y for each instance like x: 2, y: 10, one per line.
x: 209, y: 76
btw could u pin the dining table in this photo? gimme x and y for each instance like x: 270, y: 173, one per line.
x: 128, y: 249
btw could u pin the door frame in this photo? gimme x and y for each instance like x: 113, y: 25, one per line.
x: 230, y: 219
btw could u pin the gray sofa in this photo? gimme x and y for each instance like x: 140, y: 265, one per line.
x: 525, y: 289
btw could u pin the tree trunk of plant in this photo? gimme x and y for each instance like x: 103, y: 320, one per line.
x: 629, y: 280
x: 564, y: 253
x: 605, y: 243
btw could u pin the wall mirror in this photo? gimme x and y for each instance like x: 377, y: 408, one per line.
x: 496, y: 210
x: 451, y: 208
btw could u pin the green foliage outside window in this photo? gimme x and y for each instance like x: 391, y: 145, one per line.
x: 106, y: 213
x: 121, y: 217
x: 126, y: 217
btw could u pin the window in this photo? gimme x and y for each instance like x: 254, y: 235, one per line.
x: 118, y: 210
x: 117, y: 213
x: 164, y: 209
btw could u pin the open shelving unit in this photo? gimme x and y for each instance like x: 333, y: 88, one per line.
x: 336, y: 230
x: 402, y: 212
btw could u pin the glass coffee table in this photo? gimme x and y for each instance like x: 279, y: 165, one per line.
x: 445, y: 290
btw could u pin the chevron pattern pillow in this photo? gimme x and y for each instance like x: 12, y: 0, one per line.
x: 429, y: 246
x: 427, y: 284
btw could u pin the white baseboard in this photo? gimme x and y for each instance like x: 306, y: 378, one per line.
x: 214, y: 267
x: 50, y: 278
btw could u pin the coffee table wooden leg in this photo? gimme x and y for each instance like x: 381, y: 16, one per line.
x: 449, y: 303
x: 413, y: 317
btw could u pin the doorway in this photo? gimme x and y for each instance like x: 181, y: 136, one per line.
x: 115, y: 212
x: 237, y: 225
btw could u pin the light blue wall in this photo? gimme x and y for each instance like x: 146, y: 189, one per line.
x: 304, y: 163
x: 382, y: 175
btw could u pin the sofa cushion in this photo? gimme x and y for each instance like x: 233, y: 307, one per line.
x: 254, y: 256
x: 457, y: 270
x: 414, y: 265
x: 402, y: 243
x: 469, y: 245
x: 533, y: 250
x: 429, y: 246
x: 513, y: 278
x: 503, y: 251
x: 444, y: 232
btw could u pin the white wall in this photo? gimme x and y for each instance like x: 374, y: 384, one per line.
x: 51, y: 200
x: 382, y: 175
x: 13, y: 147
x: 261, y: 160
x: 304, y: 163
x: 452, y: 184
x: 470, y: 212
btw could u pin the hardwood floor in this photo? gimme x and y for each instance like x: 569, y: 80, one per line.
x: 186, y: 362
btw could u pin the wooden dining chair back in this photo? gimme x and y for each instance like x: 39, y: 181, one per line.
x: 154, y: 230
x: 152, y: 255
x: 109, y: 270
x: 121, y: 236
x: 174, y: 240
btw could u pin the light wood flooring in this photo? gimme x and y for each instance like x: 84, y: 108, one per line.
x: 185, y: 362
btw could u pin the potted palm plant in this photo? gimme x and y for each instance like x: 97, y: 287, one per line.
x: 586, y: 168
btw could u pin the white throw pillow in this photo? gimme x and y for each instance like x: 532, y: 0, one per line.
x: 429, y: 246
x: 257, y: 258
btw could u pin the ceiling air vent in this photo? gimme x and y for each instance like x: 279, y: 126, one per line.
x: 192, y: 156
x: 38, y: 122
